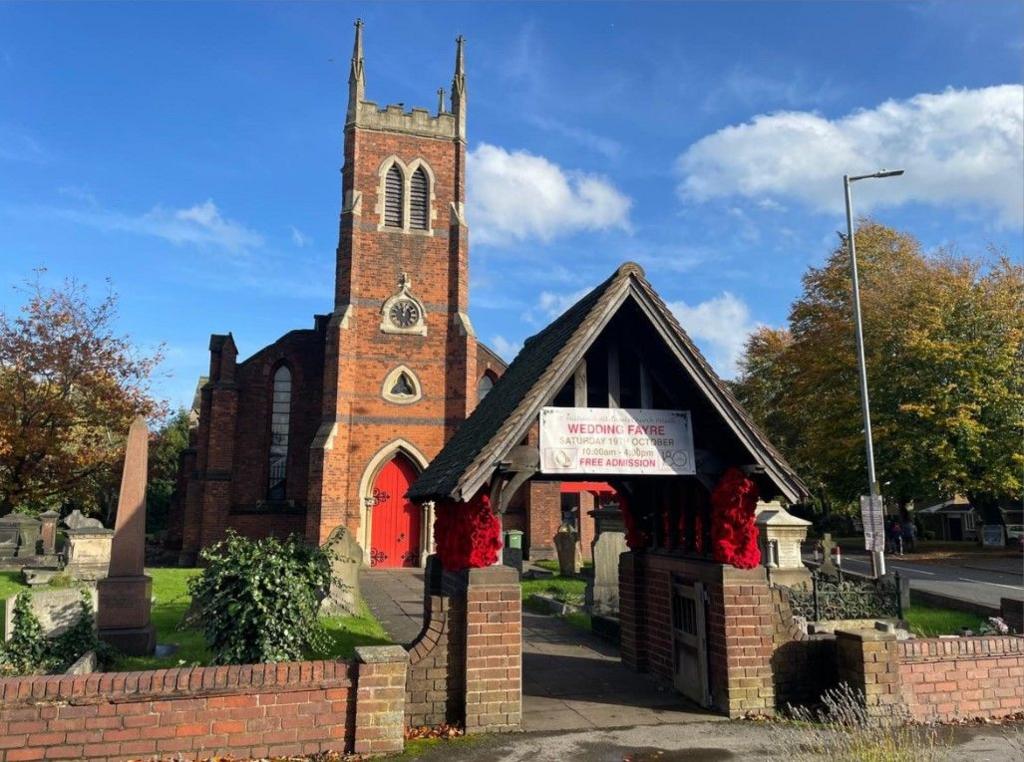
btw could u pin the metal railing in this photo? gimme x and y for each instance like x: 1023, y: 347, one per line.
x: 844, y: 597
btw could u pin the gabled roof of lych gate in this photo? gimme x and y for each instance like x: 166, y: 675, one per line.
x: 548, y: 360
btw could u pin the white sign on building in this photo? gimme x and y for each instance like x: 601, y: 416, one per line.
x: 597, y: 440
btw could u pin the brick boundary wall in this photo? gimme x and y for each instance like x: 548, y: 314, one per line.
x: 433, y: 689
x: 250, y: 710
x: 952, y: 678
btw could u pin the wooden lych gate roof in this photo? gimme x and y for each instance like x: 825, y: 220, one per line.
x: 548, y: 360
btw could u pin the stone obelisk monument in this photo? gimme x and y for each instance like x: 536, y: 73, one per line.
x: 125, y: 595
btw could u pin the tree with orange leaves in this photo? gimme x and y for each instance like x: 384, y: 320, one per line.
x: 69, y: 388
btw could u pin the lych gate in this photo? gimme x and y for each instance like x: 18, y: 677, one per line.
x: 688, y: 613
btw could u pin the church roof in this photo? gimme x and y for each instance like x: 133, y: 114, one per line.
x: 548, y: 360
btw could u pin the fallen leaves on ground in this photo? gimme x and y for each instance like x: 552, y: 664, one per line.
x: 444, y: 730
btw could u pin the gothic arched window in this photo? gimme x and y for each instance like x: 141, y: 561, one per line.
x: 419, y: 200
x: 484, y: 386
x: 280, y: 415
x: 393, y: 197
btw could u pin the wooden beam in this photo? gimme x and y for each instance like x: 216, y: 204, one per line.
x: 613, y: 375
x: 646, y: 391
x: 580, y: 384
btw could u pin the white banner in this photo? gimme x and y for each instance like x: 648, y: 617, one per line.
x: 598, y: 440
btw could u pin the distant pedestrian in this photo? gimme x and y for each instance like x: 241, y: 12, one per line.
x: 909, y: 536
x: 896, y: 537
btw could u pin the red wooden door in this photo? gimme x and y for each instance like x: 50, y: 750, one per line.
x: 395, y: 532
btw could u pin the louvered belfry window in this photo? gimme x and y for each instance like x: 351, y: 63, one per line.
x: 393, y: 197
x: 418, y: 199
x: 280, y: 417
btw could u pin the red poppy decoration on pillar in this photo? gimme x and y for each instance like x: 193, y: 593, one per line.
x: 733, y: 531
x: 468, y: 535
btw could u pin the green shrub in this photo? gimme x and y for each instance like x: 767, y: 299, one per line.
x: 257, y: 600
x: 26, y: 653
x: 79, y: 639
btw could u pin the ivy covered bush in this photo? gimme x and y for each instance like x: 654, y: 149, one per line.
x: 30, y: 652
x: 258, y: 600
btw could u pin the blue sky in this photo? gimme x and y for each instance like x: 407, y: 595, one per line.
x: 190, y: 152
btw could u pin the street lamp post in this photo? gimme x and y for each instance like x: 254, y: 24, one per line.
x: 877, y: 556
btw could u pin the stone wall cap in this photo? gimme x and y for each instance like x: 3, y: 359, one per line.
x: 493, y: 575
x: 381, y: 654
x: 873, y: 635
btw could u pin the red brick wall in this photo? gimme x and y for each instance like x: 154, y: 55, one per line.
x: 950, y: 678
x: 543, y: 517
x: 246, y: 711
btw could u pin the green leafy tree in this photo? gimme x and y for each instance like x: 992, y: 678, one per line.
x: 944, y: 346
x: 258, y: 600
x: 165, y: 448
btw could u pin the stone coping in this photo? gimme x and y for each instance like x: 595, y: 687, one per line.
x: 978, y: 646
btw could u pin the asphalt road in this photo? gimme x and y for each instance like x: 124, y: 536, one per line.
x: 981, y: 581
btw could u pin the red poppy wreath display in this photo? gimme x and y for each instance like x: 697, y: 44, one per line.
x: 733, y: 532
x: 468, y: 534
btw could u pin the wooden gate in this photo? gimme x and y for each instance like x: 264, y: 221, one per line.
x: 395, y: 521
x: 689, y: 642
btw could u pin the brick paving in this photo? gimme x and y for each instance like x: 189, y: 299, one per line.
x: 572, y: 680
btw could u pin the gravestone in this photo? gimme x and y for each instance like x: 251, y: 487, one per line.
x: 19, y: 535
x: 567, y: 544
x: 828, y: 565
x: 56, y: 610
x: 780, y: 537
x: 125, y: 595
x: 346, y: 561
x: 48, y: 532
x: 603, y: 596
x: 88, y: 547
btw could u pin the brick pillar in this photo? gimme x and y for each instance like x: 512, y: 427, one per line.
x: 380, y: 699
x: 485, y: 618
x: 741, y: 629
x: 632, y: 638
x: 867, y: 662
x: 543, y: 517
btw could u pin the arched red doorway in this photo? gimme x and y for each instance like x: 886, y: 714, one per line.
x: 395, y: 521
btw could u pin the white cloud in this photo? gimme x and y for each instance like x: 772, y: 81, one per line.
x: 517, y: 195
x: 550, y: 305
x: 200, y: 225
x: 960, y: 148
x: 720, y: 326
x: 504, y: 347
x: 299, y: 238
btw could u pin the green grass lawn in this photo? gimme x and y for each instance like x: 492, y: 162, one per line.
x: 928, y: 621
x: 11, y: 584
x: 171, y: 600
x: 565, y: 589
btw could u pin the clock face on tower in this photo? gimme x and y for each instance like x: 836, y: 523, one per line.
x: 404, y: 313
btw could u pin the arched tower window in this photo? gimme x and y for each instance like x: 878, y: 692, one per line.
x: 393, y: 197
x: 280, y: 415
x: 419, y: 200
x: 484, y: 386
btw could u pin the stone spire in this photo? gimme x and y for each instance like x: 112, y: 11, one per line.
x: 356, y: 81
x: 459, y: 90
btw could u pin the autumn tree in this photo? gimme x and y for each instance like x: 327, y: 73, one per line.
x: 69, y: 388
x: 165, y: 447
x: 944, y: 346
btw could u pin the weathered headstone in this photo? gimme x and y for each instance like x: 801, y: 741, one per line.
x: 48, y: 532
x: 604, y: 595
x: 19, y: 535
x: 123, y: 614
x: 567, y: 545
x: 346, y: 561
x: 827, y: 564
x: 56, y: 610
x: 780, y: 537
x: 88, y: 547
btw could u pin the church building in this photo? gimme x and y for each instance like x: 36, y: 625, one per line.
x: 328, y: 426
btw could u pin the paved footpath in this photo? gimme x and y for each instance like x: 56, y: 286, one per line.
x: 691, y: 742
x: 572, y: 680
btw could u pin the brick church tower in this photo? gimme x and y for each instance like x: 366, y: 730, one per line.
x: 400, y: 360
x: 328, y: 426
